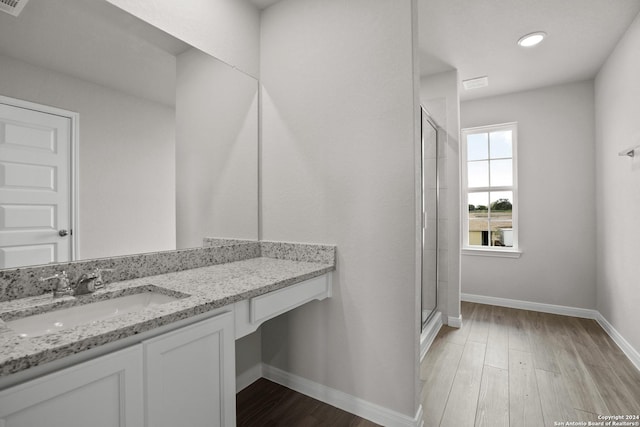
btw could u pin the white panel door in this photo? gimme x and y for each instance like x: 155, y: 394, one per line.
x: 35, y: 187
x: 190, y: 375
x: 104, y: 392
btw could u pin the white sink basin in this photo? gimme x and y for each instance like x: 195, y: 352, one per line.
x: 53, y: 321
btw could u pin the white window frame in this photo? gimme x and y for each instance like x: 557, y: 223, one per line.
x: 496, y: 251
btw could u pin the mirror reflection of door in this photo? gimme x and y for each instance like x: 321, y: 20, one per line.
x: 35, y: 187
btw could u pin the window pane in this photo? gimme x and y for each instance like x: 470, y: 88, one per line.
x: 501, y: 233
x: 501, y: 204
x: 501, y: 173
x: 478, y: 146
x: 501, y: 144
x: 479, y: 201
x: 478, y: 233
x: 478, y: 219
x: 478, y: 174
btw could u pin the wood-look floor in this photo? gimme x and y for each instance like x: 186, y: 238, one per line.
x: 508, y: 367
x: 267, y: 404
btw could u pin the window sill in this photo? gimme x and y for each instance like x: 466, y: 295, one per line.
x: 499, y: 253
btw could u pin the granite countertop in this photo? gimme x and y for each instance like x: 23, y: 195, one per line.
x: 199, y: 290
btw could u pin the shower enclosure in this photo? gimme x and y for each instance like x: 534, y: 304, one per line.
x: 429, y: 217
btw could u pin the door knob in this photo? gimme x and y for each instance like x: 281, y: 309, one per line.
x: 63, y: 233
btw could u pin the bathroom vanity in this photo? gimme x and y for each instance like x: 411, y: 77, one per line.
x: 166, y: 363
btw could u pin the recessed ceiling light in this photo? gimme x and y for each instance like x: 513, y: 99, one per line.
x: 475, y: 83
x: 532, y: 39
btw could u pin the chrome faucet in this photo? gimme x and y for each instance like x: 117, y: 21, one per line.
x: 90, y: 282
x: 63, y: 288
x: 86, y: 283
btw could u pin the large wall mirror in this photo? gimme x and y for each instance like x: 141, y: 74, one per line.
x: 155, y: 141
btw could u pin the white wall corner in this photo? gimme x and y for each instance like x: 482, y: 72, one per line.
x: 624, y: 345
x: 533, y: 306
x: 429, y: 334
x: 455, y: 322
x: 248, y: 377
x: 360, y: 407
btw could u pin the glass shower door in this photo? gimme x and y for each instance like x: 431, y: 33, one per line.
x: 429, y: 217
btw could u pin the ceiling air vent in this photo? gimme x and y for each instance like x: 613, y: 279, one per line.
x: 12, y: 7
x: 475, y: 83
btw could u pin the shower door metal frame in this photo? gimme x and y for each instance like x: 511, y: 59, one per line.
x: 425, y: 116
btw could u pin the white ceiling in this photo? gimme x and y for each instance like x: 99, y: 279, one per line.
x: 479, y: 37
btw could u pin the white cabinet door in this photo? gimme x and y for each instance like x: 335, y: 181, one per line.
x: 190, y: 375
x: 104, y: 392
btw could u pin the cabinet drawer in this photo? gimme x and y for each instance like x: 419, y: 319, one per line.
x: 252, y: 313
x: 274, y: 303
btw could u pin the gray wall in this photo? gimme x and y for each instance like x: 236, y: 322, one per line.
x: 617, y: 92
x: 339, y: 118
x: 556, y: 184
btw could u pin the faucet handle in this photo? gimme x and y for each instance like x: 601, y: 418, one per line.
x: 97, y: 273
x: 63, y: 287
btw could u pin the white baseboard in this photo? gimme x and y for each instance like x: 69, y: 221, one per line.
x: 429, y: 334
x: 418, y: 420
x: 624, y: 345
x: 454, y: 322
x: 533, y: 306
x: 586, y: 313
x: 341, y: 400
x: 248, y: 377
